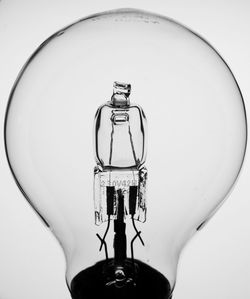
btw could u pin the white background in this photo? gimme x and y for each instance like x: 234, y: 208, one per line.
x: 216, y: 262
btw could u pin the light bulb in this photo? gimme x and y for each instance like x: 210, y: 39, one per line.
x: 169, y: 143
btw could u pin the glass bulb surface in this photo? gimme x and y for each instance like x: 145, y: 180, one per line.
x: 196, y: 140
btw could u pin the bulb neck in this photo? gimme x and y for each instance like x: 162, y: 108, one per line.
x: 146, y: 283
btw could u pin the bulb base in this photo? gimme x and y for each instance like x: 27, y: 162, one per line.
x: 147, y: 282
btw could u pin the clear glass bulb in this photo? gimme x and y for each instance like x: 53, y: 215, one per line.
x: 158, y: 176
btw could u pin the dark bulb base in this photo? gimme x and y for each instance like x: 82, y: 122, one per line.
x: 147, y: 283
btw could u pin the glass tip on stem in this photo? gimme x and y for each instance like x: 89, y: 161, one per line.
x: 121, y: 93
